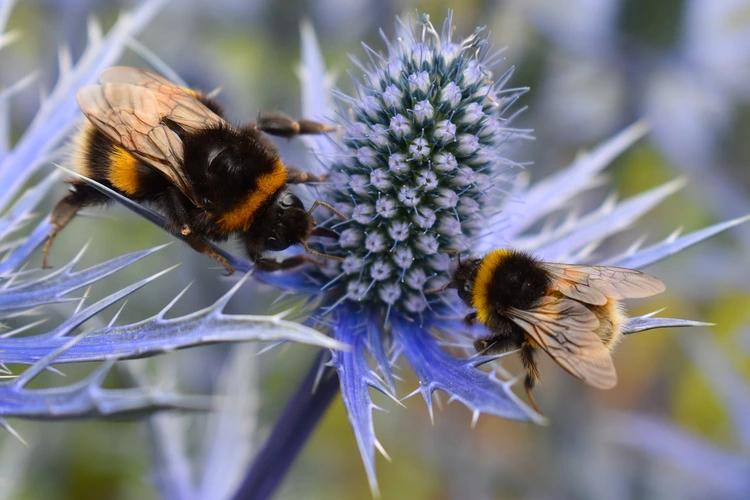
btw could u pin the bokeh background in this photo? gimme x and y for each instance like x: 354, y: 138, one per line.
x: 677, y: 425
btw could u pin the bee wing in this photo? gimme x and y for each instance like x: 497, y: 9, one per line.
x: 596, y: 284
x: 179, y: 104
x: 133, y: 116
x: 566, y: 330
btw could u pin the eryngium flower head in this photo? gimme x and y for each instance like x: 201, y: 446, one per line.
x: 420, y: 169
x: 421, y: 157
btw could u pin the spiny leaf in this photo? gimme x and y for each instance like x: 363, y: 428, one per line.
x: 554, y: 191
x: 480, y: 391
x: 356, y: 378
x: 158, y: 334
x: 595, y: 227
x: 55, y: 286
x: 672, y: 245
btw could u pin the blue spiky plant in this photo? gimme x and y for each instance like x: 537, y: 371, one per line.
x: 421, y: 165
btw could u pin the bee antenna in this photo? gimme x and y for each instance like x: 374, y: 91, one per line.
x: 321, y: 255
x: 441, y: 289
x: 323, y: 204
x: 453, y: 252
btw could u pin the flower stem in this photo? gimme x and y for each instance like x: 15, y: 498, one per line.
x: 294, y: 427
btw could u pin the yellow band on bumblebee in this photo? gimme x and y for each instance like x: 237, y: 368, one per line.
x: 242, y: 216
x: 480, y: 298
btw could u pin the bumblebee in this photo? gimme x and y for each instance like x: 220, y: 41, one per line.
x: 154, y: 141
x: 572, y: 312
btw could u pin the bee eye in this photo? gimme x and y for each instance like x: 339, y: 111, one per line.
x: 289, y: 200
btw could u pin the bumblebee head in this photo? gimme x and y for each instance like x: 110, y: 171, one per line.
x: 464, y: 277
x: 287, y: 224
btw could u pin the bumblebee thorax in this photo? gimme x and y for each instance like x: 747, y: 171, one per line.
x: 506, y: 279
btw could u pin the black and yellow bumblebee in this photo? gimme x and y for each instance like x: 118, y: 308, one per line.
x: 155, y: 141
x: 572, y: 312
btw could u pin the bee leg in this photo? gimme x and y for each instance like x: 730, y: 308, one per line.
x: 199, y: 244
x: 470, y: 319
x: 175, y: 205
x: 297, y: 176
x: 283, y: 126
x: 495, y: 344
x: 529, y: 385
x: 270, y: 265
x: 79, y: 197
x: 532, y: 375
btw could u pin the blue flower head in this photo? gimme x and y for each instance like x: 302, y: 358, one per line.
x: 420, y: 170
x: 422, y: 157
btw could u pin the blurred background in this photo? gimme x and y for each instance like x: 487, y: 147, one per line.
x: 678, y: 423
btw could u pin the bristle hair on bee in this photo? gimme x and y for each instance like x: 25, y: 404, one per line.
x: 157, y: 142
x: 572, y: 312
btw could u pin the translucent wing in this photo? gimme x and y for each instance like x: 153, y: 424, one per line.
x: 566, y: 330
x: 595, y: 284
x: 131, y: 107
x: 179, y: 104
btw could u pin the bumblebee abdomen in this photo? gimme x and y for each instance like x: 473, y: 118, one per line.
x: 611, y: 317
x: 123, y: 171
x: 98, y: 158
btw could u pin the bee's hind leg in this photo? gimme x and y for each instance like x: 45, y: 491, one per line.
x: 532, y: 372
x: 297, y: 176
x: 283, y: 126
x: 178, y: 223
x: 199, y: 244
x: 80, y: 196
